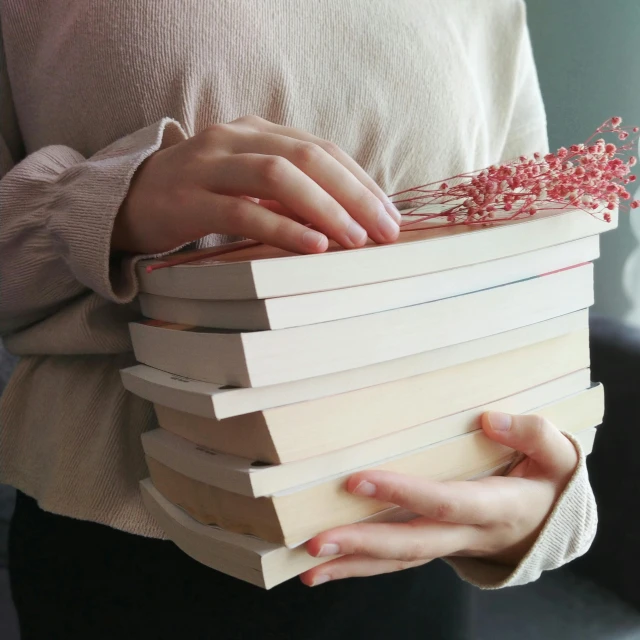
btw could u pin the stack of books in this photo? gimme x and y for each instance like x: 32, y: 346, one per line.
x: 275, y: 376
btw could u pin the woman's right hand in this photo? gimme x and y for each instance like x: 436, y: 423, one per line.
x: 255, y: 179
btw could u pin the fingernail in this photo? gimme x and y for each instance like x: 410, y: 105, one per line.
x: 356, y: 234
x: 312, y: 240
x: 392, y: 211
x: 387, y: 226
x: 365, y: 488
x: 322, y: 578
x: 499, y: 421
x: 329, y: 549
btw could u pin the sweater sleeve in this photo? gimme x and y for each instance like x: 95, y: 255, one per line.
x: 567, y: 534
x: 57, y: 210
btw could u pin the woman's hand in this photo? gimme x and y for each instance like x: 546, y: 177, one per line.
x: 496, y: 518
x: 255, y: 179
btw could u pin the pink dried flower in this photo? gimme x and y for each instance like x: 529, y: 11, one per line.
x: 591, y: 176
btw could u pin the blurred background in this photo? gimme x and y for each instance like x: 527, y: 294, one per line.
x: 586, y: 55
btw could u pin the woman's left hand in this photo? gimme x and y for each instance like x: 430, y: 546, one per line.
x: 497, y: 518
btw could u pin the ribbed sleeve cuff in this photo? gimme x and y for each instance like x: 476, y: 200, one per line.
x: 567, y: 534
x: 85, y: 200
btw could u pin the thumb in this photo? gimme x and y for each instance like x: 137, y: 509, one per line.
x: 536, y: 437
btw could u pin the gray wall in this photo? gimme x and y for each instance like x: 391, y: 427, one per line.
x: 588, y: 58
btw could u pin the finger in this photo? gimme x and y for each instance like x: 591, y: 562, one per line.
x: 275, y: 178
x: 241, y: 217
x: 536, y: 437
x: 354, y: 567
x: 260, y: 124
x: 463, y: 502
x: 419, y: 539
x: 357, y: 200
x: 276, y: 207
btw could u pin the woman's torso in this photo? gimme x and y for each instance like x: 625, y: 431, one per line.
x: 414, y: 90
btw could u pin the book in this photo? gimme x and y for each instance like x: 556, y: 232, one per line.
x: 218, y: 402
x: 254, y: 478
x: 295, y: 513
x: 324, y: 306
x: 265, y: 272
x: 306, y: 429
x: 246, y: 557
x: 253, y: 359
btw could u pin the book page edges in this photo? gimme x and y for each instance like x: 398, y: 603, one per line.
x: 276, y: 277
x: 235, y: 474
x: 210, y: 400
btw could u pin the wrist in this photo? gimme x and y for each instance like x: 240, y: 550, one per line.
x: 123, y: 234
x: 119, y: 234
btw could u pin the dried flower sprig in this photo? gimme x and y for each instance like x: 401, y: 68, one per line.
x: 592, y: 176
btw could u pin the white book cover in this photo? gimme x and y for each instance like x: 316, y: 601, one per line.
x: 260, y: 358
x: 324, y: 306
x: 211, y: 400
x: 266, y: 272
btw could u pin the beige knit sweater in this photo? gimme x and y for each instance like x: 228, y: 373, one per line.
x: 414, y: 90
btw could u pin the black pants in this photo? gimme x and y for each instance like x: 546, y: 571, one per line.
x: 79, y: 580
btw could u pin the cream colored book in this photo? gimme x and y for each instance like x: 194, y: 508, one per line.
x: 246, y: 557
x: 209, y: 400
x: 255, y: 359
x: 254, y: 478
x: 297, y: 513
x: 264, y: 272
x: 306, y: 429
x: 242, y: 556
x: 324, y: 306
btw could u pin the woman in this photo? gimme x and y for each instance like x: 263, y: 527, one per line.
x: 131, y: 129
